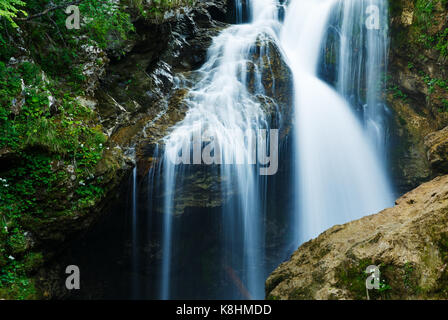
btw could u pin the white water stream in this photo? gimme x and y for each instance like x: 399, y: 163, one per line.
x: 339, y: 171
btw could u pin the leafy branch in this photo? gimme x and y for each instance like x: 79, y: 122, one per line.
x: 9, y: 10
x: 50, y: 9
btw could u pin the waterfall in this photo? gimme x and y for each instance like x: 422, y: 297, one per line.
x: 206, y: 224
x: 338, y: 169
x: 239, y: 13
x: 134, y: 232
x: 169, y: 182
x: 339, y: 173
x: 362, y: 62
x: 221, y: 107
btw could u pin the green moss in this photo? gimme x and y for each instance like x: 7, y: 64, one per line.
x: 442, y: 290
x: 16, y: 243
x: 425, y: 11
x: 301, y: 294
x: 353, y: 278
x: 20, y: 289
x: 32, y: 262
x: 275, y: 281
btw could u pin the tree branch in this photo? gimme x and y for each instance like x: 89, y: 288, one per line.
x: 63, y: 5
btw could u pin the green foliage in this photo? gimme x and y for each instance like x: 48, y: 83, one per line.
x: 353, y: 278
x: 398, y: 94
x: 53, y: 142
x: 10, y: 8
x: 444, y: 107
x: 384, y: 287
x: 106, y: 23
x: 10, y: 85
x: 39, y: 137
x: 408, y: 271
x: 442, y: 43
x: 158, y: 7
x: 424, y: 19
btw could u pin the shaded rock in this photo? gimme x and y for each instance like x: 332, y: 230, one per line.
x: 409, y: 163
x: 276, y: 92
x: 218, y: 10
x: 409, y: 243
x: 138, y: 95
x: 7, y: 159
x: 437, y: 144
x: 417, y: 94
x: 58, y: 224
x: 93, y: 66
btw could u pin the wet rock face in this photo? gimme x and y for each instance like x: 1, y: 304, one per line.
x: 140, y: 91
x: 416, y: 90
x: 408, y: 160
x: 136, y: 97
x: 408, y: 242
x: 437, y: 145
x: 276, y: 93
x: 268, y: 79
x: 53, y: 228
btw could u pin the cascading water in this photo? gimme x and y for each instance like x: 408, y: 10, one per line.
x: 339, y: 175
x: 362, y: 61
x: 134, y: 233
x: 216, y: 230
x: 221, y: 105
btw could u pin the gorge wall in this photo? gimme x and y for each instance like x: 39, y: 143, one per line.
x: 69, y: 140
x: 417, y: 87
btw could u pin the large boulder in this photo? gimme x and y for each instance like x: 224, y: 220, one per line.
x: 409, y: 243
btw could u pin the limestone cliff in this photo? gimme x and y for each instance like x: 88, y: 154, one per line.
x: 417, y: 88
